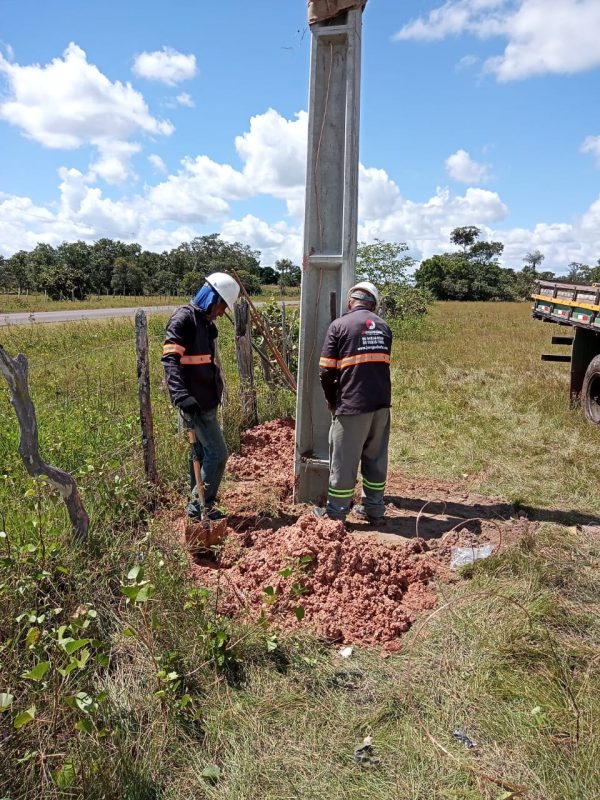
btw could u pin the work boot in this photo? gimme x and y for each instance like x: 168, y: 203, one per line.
x: 321, y: 513
x: 360, y: 512
x: 194, y: 511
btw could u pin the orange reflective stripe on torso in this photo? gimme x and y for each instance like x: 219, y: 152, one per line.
x: 364, y: 358
x: 204, y: 359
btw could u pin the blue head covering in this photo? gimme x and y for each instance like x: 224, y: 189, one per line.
x: 205, y: 297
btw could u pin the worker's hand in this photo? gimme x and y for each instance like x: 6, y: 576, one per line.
x: 190, y: 406
x: 330, y: 406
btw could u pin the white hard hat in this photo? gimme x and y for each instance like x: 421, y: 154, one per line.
x: 366, y: 286
x: 225, y: 286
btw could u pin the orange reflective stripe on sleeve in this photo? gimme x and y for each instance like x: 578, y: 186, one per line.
x: 364, y: 358
x: 170, y: 347
x: 205, y: 359
x: 328, y: 362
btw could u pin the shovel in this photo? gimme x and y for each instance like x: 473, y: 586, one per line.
x: 201, y: 538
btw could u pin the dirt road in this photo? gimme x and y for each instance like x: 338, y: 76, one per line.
x: 23, y: 318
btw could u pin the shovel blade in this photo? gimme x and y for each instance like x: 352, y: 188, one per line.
x: 202, y: 536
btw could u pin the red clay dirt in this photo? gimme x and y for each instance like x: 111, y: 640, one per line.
x: 352, y: 584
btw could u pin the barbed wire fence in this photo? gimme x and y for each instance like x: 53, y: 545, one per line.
x: 104, y: 415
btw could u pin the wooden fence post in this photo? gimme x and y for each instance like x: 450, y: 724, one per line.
x: 15, y: 371
x: 284, y: 349
x: 243, y: 351
x: 143, y: 374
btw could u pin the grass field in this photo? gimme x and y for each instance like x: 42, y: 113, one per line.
x: 172, y: 701
x: 14, y: 304
x: 473, y: 402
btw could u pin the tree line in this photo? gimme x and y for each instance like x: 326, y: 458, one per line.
x: 76, y: 270
x: 473, y: 272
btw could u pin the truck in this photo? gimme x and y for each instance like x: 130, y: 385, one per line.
x: 576, y: 306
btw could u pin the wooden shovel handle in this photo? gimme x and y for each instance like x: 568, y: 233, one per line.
x: 197, y: 470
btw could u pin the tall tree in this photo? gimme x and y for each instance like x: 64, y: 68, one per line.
x: 7, y: 279
x: 289, y: 274
x: 533, y: 259
x: 383, y: 262
x: 465, y: 237
x: 473, y: 274
x: 74, y: 261
x: 20, y: 268
x: 579, y: 273
x: 42, y: 260
x: 269, y: 276
x: 120, y: 276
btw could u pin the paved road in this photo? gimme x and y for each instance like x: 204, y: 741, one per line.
x: 23, y: 318
x: 85, y: 313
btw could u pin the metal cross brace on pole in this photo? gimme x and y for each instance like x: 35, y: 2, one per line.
x: 330, y: 229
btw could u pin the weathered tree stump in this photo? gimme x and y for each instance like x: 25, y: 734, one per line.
x: 15, y: 371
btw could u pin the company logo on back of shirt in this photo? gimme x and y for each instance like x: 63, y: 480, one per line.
x: 370, y: 325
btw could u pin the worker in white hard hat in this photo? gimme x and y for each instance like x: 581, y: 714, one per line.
x: 354, y: 369
x: 194, y: 381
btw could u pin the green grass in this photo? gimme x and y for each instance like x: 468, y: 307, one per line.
x: 473, y: 402
x: 83, y: 382
x: 14, y: 304
x: 514, y: 659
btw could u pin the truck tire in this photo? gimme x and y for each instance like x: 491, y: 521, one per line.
x: 590, y: 393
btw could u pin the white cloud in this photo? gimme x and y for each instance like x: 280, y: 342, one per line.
x: 69, y: 102
x: 274, y: 241
x: 158, y: 164
x: 561, y: 243
x: 454, y: 17
x: 274, y: 156
x: 592, y: 145
x: 185, y: 99
x: 114, y: 163
x: 166, y: 66
x: 163, y: 215
x: 542, y: 37
x: 466, y: 62
x: 425, y: 227
x: 21, y: 209
x: 378, y: 195
x: 461, y: 167
x: 198, y: 193
x: 8, y: 49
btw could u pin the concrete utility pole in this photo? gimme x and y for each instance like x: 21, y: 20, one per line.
x: 330, y: 227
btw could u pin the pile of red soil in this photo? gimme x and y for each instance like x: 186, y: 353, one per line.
x: 267, y: 454
x: 261, y: 479
x: 348, y: 589
x: 352, y: 585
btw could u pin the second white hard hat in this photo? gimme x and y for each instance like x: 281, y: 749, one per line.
x: 226, y: 286
x: 366, y: 286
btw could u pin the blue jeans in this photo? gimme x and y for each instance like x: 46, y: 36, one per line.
x: 210, y: 449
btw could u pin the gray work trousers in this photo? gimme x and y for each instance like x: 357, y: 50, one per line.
x: 358, y: 439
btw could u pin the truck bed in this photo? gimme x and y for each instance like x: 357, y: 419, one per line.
x: 576, y: 304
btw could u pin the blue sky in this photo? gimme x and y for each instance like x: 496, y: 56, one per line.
x: 154, y: 123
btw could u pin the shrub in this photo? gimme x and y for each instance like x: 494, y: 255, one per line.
x: 401, y: 301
